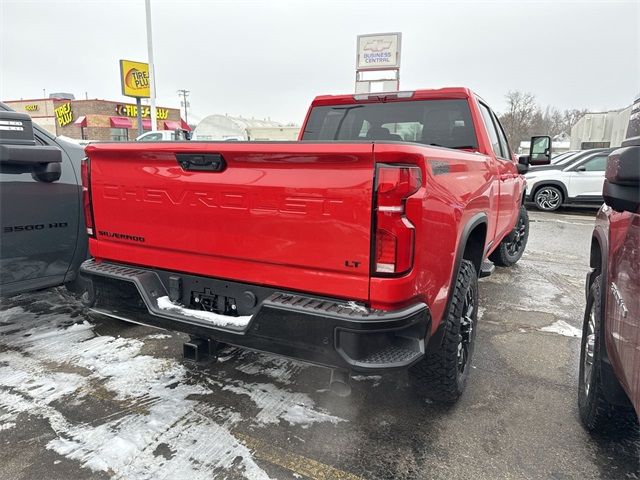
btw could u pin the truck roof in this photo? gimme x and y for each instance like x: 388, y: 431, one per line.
x: 423, y: 94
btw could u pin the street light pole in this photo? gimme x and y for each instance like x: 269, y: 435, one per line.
x: 152, y: 73
x: 185, y: 94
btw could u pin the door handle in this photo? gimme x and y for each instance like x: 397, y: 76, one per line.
x: 201, y: 162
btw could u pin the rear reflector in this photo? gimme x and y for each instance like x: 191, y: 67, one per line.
x: 86, y: 197
x: 395, y: 237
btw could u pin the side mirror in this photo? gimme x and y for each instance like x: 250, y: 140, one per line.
x: 540, y: 150
x: 44, y: 163
x: 523, y: 164
x: 581, y: 168
x: 621, y: 189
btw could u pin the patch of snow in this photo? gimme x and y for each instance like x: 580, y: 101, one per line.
x: 280, y: 369
x: 6, y: 425
x: 276, y: 404
x: 53, y: 363
x: 157, y: 336
x: 356, y: 307
x: 165, y: 409
x: 376, y: 379
x: 563, y: 328
x: 214, y: 318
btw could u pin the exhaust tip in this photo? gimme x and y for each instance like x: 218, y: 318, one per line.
x: 340, y: 383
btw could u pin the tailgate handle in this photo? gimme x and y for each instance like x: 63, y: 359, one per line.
x: 201, y: 162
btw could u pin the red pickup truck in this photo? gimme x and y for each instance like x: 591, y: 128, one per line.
x: 609, y: 379
x: 357, y: 248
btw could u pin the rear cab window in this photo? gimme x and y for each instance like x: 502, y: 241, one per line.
x: 442, y: 123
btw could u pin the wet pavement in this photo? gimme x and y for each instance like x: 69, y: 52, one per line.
x: 88, y: 397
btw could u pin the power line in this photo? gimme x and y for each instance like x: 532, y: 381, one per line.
x: 185, y: 95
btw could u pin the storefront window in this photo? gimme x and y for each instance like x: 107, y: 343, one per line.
x: 119, y: 134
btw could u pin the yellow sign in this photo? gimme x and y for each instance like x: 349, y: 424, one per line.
x: 132, y: 111
x: 64, y: 115
x: 31, y: 108
x: 134, y: 78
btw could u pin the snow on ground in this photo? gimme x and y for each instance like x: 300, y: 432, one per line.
x: 277, y: 368
x: 50, y: 363
x: 157, y: 336
x: 563, y: 328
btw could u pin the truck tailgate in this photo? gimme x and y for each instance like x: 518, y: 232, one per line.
x: 292, y: 215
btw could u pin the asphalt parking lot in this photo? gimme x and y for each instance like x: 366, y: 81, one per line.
x: 87, y: 397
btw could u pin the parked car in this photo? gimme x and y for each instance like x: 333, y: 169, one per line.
x: 609, y: 377
x: 578, y: 181
x: 44, y: 239
x: 561, y: 156
x: 360, y: 255
x: 164, y: 136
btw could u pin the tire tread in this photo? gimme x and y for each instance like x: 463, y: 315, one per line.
x: 436, y: 376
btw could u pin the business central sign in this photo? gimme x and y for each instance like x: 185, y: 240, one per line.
x: 380, y: 51
x: 134, y: 79
x: 127, y: 110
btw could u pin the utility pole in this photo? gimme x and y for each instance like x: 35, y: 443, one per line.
x: 185, y: 95
x: 152, y: 73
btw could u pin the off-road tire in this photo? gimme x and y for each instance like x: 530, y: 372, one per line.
x: 596, y: 412
x: 439, y: 376
x: 513, y: 245
x: 548, y: 198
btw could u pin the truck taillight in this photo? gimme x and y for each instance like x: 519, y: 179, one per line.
x: 394, y: 239
x: 85, y: 173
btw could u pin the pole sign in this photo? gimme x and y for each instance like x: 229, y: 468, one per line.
x: 380, y: 51
x: 134, y: 78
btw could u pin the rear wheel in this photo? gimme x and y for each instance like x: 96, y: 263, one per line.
x: 548, y: 198
x: 596, y: 411
x: 442, y: 374
x: 513, y: 245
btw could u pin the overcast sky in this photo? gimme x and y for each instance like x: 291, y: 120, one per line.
x: 270, y: 58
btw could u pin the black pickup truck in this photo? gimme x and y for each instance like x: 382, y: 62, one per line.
x: 43, y: 238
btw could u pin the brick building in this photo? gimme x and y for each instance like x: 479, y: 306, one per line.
x: 101, y: 120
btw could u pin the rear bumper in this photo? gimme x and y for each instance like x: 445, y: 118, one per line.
x: 329, y: 332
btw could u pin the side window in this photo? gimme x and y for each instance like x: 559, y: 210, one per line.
x: 504, y: 145
x: 596, y: 164
x: 153, y: 137
x: 491, y: 129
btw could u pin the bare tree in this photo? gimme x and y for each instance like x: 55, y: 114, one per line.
x: 570, y: 117
x: 524, y: 118
x: 520, y: 116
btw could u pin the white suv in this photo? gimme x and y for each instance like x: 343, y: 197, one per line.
x: 578, y: 181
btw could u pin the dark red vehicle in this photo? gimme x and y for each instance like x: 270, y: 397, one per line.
x: 610, y: 355
x: 357, y: 248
